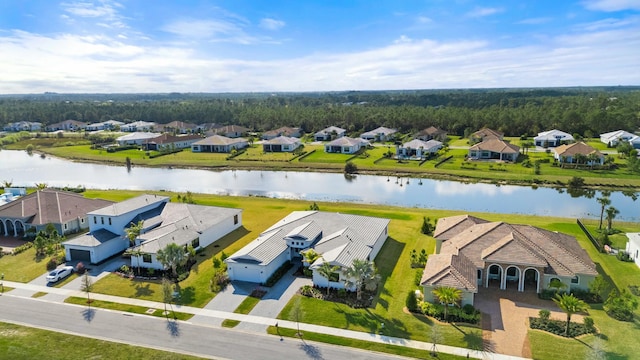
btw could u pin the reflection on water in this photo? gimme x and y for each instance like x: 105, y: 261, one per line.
x: 23, y: 170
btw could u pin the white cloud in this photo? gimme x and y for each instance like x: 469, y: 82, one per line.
x: 483, y: 11
x: 424, y: 20
x: 197, y: 29
x: 271, y: 24
x: 102, y: 9
x: 612, y: 5
x: 535, y: 21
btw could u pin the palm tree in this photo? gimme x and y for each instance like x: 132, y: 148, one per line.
x: 7, y: 183
x: 133, y: 231
x: 310, y: 256
x: 326, y: 270
x: 362, y: 273
x: 41, y: 186
x: 611, y: 214
x: 604, y: 201
x: 447, y: 295
x: 570, y: 305
x: 172, y: 256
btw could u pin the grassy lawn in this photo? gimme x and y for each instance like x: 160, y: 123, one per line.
x: 129, y: 308
x: 23, y: 267
x: 39, y: 294
x: 319, y: 156
x: 247, y: 305
x: 20, y: 342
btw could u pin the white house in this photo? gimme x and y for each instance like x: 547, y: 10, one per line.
x: 345, y: 145
x: 635, y: 142
x: 138, y: 126
x: 104, y: 125
x: 417, y: 149
x: 332, y: 132
x: 167, y: 141
x: 23, y: 126
x: 136, y: 138
x: 281, y: 144
x: 338, y: 238
x: 633, y: 247
x: 380, y: 134
x: 67, y: 125
x: 552, y: 138
x: 219, y: 144
x: 613, y: 138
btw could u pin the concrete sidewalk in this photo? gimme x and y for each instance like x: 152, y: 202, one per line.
x: 265, y: 321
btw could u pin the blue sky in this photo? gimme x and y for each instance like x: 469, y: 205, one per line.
x: 109, y: 46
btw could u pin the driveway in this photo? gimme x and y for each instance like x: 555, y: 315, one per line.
x: 505, y: 318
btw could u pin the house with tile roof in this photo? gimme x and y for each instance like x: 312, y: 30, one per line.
x: 494, y: 149
x: 65, y: 210
x: 345, y: 145
x: 285, y: 131
x: 219, y: 144
x: 179, y: 127
x: 417, y: 149
x: 431, y: 133
x: 552, y: 138
x: 379, y: 134
x: 281, y: 144
x: 485, y: 134
x: 338, y: 238
x: 167, y: 141
x: 231, y: 131
x: 578, y: 153
x: 475, y: 254
x: 332, y: 132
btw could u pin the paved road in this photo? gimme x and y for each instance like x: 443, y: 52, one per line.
x: 198, y: 340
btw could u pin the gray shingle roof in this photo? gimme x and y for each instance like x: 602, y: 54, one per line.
x: 93, y: 239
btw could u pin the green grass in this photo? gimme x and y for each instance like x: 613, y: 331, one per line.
x: 39, y: 294
x: 360, y: 344
x: 319, y: 156
x: 23, y: 267
x: 247, y: 305
x: 228, y: 323
x: 128, y: 308
x: 20, y: 342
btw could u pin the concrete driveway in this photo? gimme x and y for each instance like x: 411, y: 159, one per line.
x: 505, y: 318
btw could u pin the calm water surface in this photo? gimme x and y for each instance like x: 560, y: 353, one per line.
x: 25, y: 170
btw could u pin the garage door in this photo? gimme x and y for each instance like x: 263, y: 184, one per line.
x: 243, y: 272
x: 83, y: 255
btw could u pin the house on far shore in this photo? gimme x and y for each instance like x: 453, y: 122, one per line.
x: 67, y: 125
x: 281, y: 144
x: 381, y: 134
x: 168, y: 142
x: 552, y: 138
x: 338, y: 238
x: 179, y: 127
x: 219, y: 144
x: 432, y: 133
x: 231, y: 131
x: 104, y: 125
x: 136, y: 138
x: 332, y: 132
x: 23, y: 126
x: 417, y: 149
x: 345, y: 145
x: 578, y: 153
x: 613, y: 138
x: 136, y: 126
x: 633, y: 247
x: 494, y: 149
x: 283, y: 131
x: 476, y: 254
x: 484, y: 135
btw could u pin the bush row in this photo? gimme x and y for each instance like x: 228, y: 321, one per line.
x: 558, y: 327
x: 278, y: 274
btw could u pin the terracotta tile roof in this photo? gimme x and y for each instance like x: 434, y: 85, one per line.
x: 514, y: 250
x: 220, y: 140
x: 486, y: 134
x: 231, y: 129
x: 454, y: 270
x: 168, y: 139
x: 497, y: 146
x: 453, y: 225
x: 576, y: 148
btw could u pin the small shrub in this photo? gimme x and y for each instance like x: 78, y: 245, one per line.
x: 218, y: 281
x: 307, y: 272
x: 544, y: 314
x: 342, y: 293
x: 223, y: 256
x: 125, y: 269
x: 278, y: 274
x: 52, y: 263
x: 216, y: 263
x: 589, y: 324
x: 417, y: 279
x: 411, y: 302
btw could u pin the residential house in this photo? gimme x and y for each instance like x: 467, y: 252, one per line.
x: 633, y: 247
x: 477, y: 254
x: 170, y: 142
x: 485, y: 134
x: 138, y: 126
x: 281, y: 144
x: 327, y: 134
x: 283, y: 131
x: 578, y: 153
x: 205, y: 127
x: 494, y: 149
x: 104, y: 125
x: 417, y: 149
x: 231, y: 131
x: 136, y: 138
x: 66, y: 211
x: 179, y: 127
x: 23, y: 126
x: 219, y: 144
x: 635, y: 142
x: 345, y: 145
x: 338, y: 238
x: 432, y: 133
x: 613, y: 138
x: 552, y: 138
x: 379, y: 134
x: 67, y: 125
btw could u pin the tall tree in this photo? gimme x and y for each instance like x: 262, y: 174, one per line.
x: 570, y: 305
x: 447, y: 295
x: 604, y: 201
x: 87, y: 286
x: 167, y: 296
x: 133, y: 231
x: 361, y: 274
x: 172, y: 256
x: 326, y: 269
x: 611, y: 214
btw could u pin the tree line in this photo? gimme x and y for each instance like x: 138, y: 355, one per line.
x: 515, y: 112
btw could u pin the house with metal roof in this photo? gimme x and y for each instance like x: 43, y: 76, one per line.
x: 219, y: 144
x: 338, y: 238
x: 67, y: 125
x: 614, y: 137
x: 474, y: 253
x: 136, y: 138
x: 379, y: 134
x: 552, y: 138
x: 417, y: 149
x: 633, y: 247
x: 104, y: 125
x: 494, y: 149
x: 345, y: 145
x: 332, y: 132
x: 281, y: 144
x: 138, y: 126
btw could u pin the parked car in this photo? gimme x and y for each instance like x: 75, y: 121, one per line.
x: 59, y: 274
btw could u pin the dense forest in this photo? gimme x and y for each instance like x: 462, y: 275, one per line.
x: 515, y: 112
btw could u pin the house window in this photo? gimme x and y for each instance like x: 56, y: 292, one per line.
x: 102, y: 219
x: 95, y: 219
x: 82, y: 221
x: 109, y: 221
x: 65, y: 226
x: 479, y: 274
x: 235, y: 219
x: 575, y: 280
x: 195, y: 242
x: 146, y: 258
